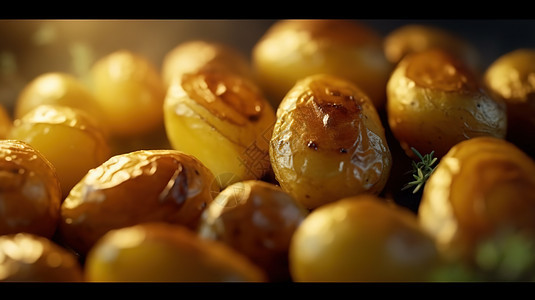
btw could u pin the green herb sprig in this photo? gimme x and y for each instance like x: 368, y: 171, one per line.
x: 421, y: 170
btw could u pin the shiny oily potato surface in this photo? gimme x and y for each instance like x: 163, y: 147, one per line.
x: 30, y: 192
x: 293, y: 49
x: 328, y: 142
x: 482, y: 185
x: 158, y: 252
x: 222, y: 119
x: 511, y: 78
x: 131, y: 188
x: 362, y: 239
x: 129, y: 91
x: 69, y: 138
x: 28, y: 257
x: 257, y: 219
x: 434, y: 102
x: 194, y: 55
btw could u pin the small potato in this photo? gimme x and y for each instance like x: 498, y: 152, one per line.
x: 328, y: 142
x: 257, y: 219
x: 511, y: 78
x: 194, y: 55
x: 69, y: 138
x: 160, y: 252
x: 222, y: 119
x: 293, y: 49
x: 131, y: 188
x: 26, y: 257
x: 30, y: 192
x: 482, y: 185
x: 434, y: 102
x: 362, y: 239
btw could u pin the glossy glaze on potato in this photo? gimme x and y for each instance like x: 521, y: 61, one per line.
x: 328, y: 142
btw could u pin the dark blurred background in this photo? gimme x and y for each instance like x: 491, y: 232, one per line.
x: 32, y: 47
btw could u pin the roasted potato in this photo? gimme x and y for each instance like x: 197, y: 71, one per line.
x: 293, y: 49
x: 27, y: 257
x: 30, y: 192
x: 511, y: 78
x: 162, y: 252
x: 222, y: 119
x: 328, y: 142
x: 257, y: 219
x: 362, y: 239
x: 131, y: 188
x: 434, y: 101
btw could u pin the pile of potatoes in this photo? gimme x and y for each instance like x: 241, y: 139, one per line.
x: 329, y: 154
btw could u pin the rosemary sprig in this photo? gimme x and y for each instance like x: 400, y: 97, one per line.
x: 421, y: 170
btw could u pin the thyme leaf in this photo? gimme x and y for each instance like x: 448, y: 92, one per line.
x: 421, y: 170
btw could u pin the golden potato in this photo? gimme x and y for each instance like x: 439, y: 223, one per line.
x: 30, y: 192
x: 161, y: 252
x: 69, y: 138
x: 328, y: 142
x: 131, y: 188
x: 481, y: 186
x: 362, y: 239
x: 222, y: 119
x: 434, y: 102
x: 257, y: 219
x: 293, y: 49
x: 194, y: 55
x: 31, y: 258
x: 511, y: 78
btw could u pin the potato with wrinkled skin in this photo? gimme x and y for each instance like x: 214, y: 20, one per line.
x: 131, y: 188
x: 362, y: 239
x: 28, y: 257
x: 222, y: 119
x: 328, y: 142
x: 69, y: 138
x: 434, y: 101
x: 511, y: 78
x: 257, y: 219
x: 30, y: 192
x: 293, y: 49
x: 481, y: 186
x: 194, y: 55
x: 161, y: 252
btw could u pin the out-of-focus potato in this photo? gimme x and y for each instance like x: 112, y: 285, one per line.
x: 129, y: 91
x: 511, y: 78
x: 26, y: 257
x: 192, y: 56
x: 30, y: 192
x: 128, y: 189
x: 482, y: 185
x: 257, y: 219
x: 160, y: 252
x: 55, y: 88
x: 435, y: 101
x: 5, y: 122
x: 69, y: 138
x: 222, y: 119
x: 328, y: 142
x: 293, y: 49
x: 417, y: 37
x: 362, y: 239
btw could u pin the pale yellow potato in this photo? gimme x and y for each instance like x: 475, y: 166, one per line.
x: 328, y: 142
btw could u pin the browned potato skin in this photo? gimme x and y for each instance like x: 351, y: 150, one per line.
x: 511, y: 78
x: 293, y: 49
x: 30, y: 191
x: 434, y: 102
x: 257, y: 219
x: 136, y: 187
x: 32, y: 258
x: 328, y: 142
x: 163, y: 252
x: 481, y: 186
